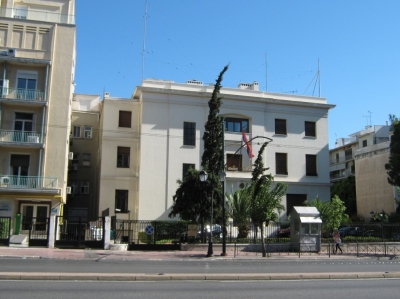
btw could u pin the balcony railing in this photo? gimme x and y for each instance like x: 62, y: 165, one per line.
x: 241, y: 169
x: 22, y: 94
x: 27, y: 182
x: 37, y: 15
x: 19, y: 136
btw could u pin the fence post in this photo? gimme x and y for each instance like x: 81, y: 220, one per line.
x: 299, y: 248
x: 329, y: 249
x: 106, y: 232
x: 79, y: 232
x: 234, y: 251
x: 357, y: 248
x: 155, y: 232
x: 383, y: 239
x: 52, y: 231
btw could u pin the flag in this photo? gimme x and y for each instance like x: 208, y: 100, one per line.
x: 246, y: 141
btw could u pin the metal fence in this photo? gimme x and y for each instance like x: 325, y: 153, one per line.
x: 147, y: 232
x: 369, y: 232
x: 306, y: 249
x: 5, y: 230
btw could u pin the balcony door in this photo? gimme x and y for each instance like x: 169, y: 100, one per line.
x: 19, y: 169
x: 26, y: 85
x: 23, y: 125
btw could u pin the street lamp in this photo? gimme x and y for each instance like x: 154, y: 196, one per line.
x: 203, y: 178
x: 222, y: 176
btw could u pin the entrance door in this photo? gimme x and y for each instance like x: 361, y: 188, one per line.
x: 34, y: 217
x: 26, y: 86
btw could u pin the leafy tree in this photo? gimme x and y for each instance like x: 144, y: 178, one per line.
x: 264, y: 199
x: 331, y: 212
x: 393, y: 167
x: 346, y: 191
x: 192, y: 199
x: 238, y: 209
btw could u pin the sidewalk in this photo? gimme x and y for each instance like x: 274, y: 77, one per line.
x: 96, y: 255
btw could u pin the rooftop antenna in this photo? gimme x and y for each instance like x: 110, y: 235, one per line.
x: 366, y: 118
x: 144, y: 38
x: 266, y: 72
x: 370, y: 121
x: 319, y: 79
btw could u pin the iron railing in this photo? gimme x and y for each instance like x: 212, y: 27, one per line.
x: 22, y: 94
x: 19, y: 136
x: 147, y: 232
x: 79, y: 229
x: 37, y: 15
x: 27, y: 182
x: 5, y: 230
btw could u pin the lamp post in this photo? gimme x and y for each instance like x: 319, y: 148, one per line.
x: 222, y: 176
x: 203, y: 178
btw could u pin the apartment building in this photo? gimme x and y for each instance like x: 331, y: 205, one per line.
x: 82, y: 200
x: 119, y: 151
x: 364, y: 155
x: 172, y: 118
x: 37, y: 65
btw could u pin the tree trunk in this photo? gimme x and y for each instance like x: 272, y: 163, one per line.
x: 264, y: 252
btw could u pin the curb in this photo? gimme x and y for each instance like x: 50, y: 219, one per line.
x: 198, y: 277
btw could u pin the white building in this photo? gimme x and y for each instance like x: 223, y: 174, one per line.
x: 172, y: 118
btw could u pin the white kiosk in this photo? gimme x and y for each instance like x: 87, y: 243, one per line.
x: 305, y: 229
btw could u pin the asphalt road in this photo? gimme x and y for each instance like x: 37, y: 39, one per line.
x: 200, y: 267
x: 327, y: 289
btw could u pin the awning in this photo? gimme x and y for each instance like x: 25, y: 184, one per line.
x: 310, y: 220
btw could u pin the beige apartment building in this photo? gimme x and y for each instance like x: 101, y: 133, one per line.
x: 37, y: 65
x: 119, y: 151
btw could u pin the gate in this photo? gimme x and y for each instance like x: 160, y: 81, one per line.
x: 5, y: 231
x: 38, y: 231
x: 77, y: 232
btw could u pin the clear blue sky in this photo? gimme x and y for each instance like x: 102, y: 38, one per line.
x: 357, y: 43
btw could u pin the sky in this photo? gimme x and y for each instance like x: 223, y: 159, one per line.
x: 279, y: 44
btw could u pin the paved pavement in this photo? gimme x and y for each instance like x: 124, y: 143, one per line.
x: 87, y: 254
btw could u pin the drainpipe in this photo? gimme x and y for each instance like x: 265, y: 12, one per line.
x: 43, y: 119
x: 2, y: 90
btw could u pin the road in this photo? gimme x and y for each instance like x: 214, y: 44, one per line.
x: 200, y: 266
x: 327, y: 289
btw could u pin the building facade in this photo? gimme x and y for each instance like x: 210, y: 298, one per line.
x: 173, y: 116
x: 82, y: 200
x: 364, y: 155
x: 37, y: 65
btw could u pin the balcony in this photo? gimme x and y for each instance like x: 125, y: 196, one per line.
x: 27, y: 182
x: 37, y: 15
x: 23, y: 94
x: 19, y: 137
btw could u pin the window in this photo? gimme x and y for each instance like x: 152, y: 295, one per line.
x: 364, y: 143
x: 123, y: 156
x: 348, y: 154
x: 86, y: 159
x: 88, y: 132
x: 77, y: 132
x: 237, y: 125
x: 23, y: 122
x: 311, y: 165
x: 74, y: 187
x: 186, y: 167
x: 121, y: 201
x: 310, y: 129
x: 280, y: 126
x: 19, y: 167
x: 189, y: 133
x: 337, y: 157
x: 234, y: 162
x: 85, y: 187
x: 26, y: 85
x: 281, y: 163
x: 125, y: 119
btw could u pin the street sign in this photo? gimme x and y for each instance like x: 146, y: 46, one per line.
x: 149, y: 230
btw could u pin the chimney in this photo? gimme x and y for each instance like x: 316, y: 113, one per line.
x: 106, y: 95
x: 249, y: 86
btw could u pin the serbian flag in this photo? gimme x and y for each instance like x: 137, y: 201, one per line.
x: 246, y: 141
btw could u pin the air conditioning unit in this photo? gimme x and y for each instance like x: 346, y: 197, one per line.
x: 33, y: 139
x: 69, y: 189
x: 70, y: 156
x: 11, y: 52
x: 5, y: 180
